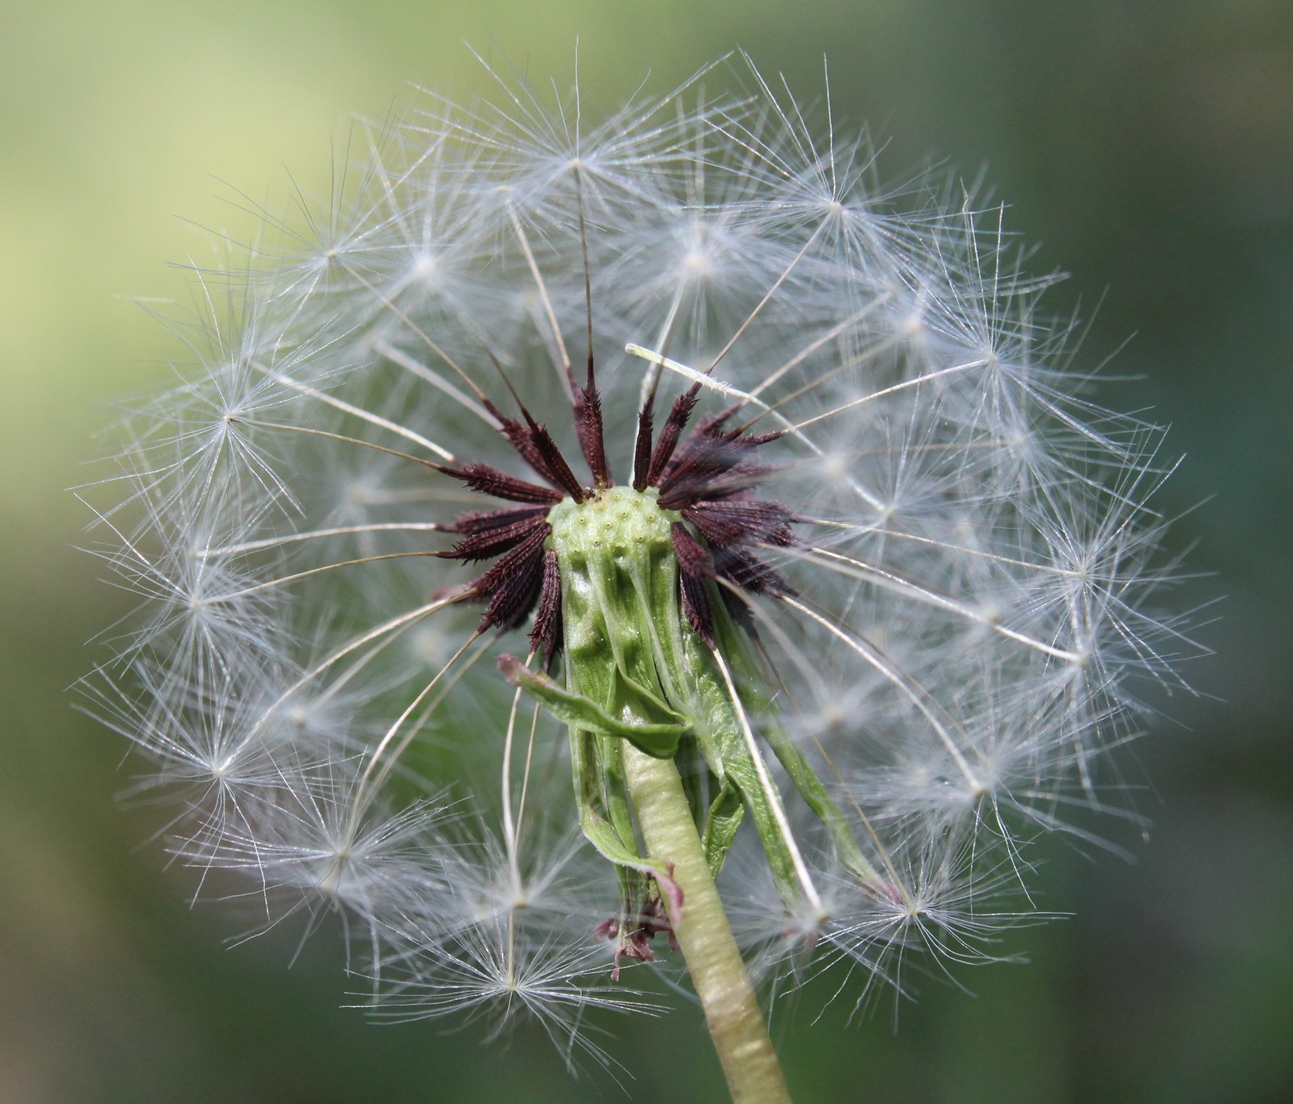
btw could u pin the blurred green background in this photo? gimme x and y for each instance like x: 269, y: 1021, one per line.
x: 1146, y: 144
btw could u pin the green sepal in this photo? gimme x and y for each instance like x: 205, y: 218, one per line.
x: 723, y: 744
x: 607, y: 824
x: 657, y: 740
x: 816, y: 798
x: 796, y: 765
x: 726, y: 812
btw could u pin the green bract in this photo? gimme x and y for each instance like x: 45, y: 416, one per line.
x: 635, y: 671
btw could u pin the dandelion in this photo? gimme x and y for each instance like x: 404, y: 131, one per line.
x: 669, y: 453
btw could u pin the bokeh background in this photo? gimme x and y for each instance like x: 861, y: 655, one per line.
x: 1146, y: 145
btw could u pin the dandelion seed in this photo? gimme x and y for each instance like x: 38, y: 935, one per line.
x: 814, y: 551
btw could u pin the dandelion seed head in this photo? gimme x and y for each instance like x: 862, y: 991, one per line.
x: 821, y: 431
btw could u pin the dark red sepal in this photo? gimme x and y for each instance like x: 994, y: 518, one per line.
x: 546, y: 633
x: 592, y: 438
x: 741, y: 521
x: 487, y: 479
x: 679, y: 415
x: 512, y: 584
x: 695, y: 566
x: 490, y: 535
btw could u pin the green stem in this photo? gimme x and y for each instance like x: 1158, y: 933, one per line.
x: 717, y: 970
